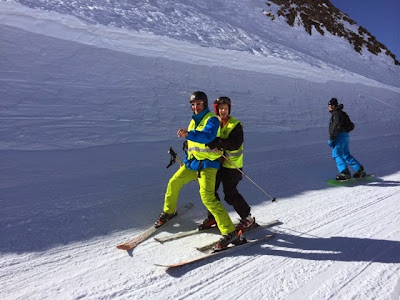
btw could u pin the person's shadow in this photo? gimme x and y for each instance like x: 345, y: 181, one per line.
x: 384, y: 183
x: 334, y: 248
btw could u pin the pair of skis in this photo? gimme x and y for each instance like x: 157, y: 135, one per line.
x: 212, y: 253
x: 207, y: 247
x: 207, y: 250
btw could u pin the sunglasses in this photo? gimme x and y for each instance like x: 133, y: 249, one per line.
x: 196, y: 104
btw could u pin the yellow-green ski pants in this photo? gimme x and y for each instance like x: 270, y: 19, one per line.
x: 207, y: 194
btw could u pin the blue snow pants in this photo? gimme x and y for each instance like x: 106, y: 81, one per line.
x: 341, y: 153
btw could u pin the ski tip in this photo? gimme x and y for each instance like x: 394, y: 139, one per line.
x: 159, y: 240
x: 122, y: 247
x: 268, y: 224
x: 172, y: 266
x: 126, y: 247
x: 160, y: 265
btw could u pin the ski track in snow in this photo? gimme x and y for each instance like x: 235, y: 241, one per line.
x: 88, y: 113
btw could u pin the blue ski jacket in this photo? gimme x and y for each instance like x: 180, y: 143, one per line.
x: 205, y: 136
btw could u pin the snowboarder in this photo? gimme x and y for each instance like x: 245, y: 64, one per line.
x: 339, y: 128
x: 231, y: 143
x: 200, y: 163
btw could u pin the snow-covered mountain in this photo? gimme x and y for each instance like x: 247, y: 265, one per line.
x: 244, y: 26
x: 92, y: 93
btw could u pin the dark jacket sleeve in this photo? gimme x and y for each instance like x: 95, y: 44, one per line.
x: 233, y: 142
x: 235, y: 139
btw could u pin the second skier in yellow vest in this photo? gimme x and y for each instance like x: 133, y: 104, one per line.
x: 231, y: 143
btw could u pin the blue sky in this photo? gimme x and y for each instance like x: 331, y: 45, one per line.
x: 380, y: 17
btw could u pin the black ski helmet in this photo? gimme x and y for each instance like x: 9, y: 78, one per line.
x: 221, y: 100
x: 199, y: 96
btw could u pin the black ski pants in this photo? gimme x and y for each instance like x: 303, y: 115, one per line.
x: 230, y: 179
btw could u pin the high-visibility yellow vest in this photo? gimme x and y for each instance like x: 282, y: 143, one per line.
x: 198, y: 150
x: 236, y: 156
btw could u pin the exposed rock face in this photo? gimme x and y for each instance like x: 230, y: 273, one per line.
x: 323, y: 16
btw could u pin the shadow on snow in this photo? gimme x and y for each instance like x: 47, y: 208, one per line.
x: 346, y: 249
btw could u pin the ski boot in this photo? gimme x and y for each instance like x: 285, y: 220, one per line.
x: 235, y: 237
x: 207, y: 223
x: 164, y: 218
x: 246, y: 223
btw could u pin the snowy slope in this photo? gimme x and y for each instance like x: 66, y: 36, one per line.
x: 88, y: 112
x: 225, y: 24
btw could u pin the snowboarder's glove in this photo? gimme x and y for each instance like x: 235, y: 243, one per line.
x: 331, y: 143
x: 216, y: 143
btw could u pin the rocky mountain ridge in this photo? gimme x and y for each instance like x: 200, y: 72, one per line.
x: 323, y: 16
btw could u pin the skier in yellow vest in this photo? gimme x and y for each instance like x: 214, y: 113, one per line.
x: 200, y: 163
x: 231, y: 143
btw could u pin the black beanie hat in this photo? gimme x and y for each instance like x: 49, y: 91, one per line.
x: 333, y: 101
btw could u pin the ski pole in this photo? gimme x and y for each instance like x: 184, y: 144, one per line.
x: 237, y: 168
x: 174, y: 157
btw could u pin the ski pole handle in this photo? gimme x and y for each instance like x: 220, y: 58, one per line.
x: 174, y: 157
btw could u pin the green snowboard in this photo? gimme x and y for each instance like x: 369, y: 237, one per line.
x: 369, y: 177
